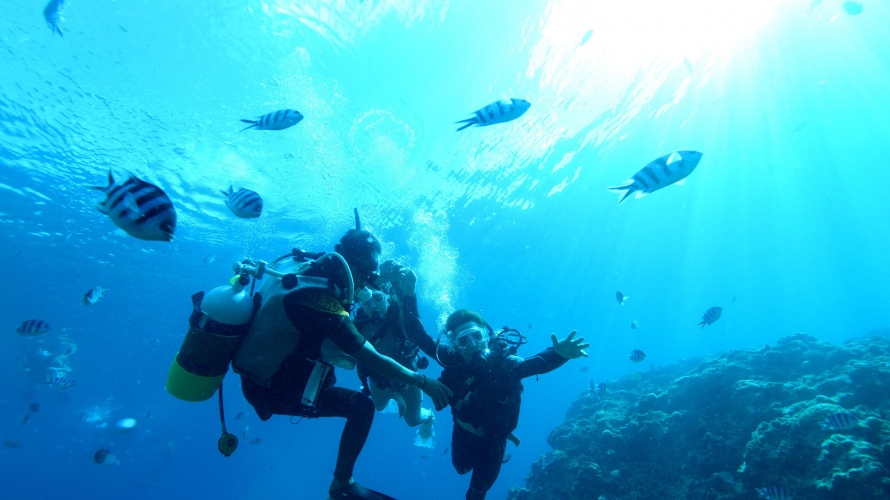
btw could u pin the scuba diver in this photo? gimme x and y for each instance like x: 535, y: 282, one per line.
x: 484, y: 374
x: 391, y: 323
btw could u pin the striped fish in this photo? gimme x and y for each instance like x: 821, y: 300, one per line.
x: 497, y: 112
x: 141, y: 209
x: 244, y: 203
x: 840, y: 421
x: 51, y: 13
x: 241, y: 415
x: 279, y: 120
x: 711, y: 315
x: 256, y: 441
x: 60, y: 383
x: 636, y: 356
x: 94, y: 295
x: 620, y: 297
x: 774, y: 493
x: 666, y: 170
x: 32, y: 328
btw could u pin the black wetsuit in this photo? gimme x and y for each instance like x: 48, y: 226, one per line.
x: 415, y: 337
x: 284, y: 393
x: 487, y: 396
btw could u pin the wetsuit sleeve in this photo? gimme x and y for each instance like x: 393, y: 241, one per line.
x: 317, y: 310
x: 543, y: 362
x: 416, y: 332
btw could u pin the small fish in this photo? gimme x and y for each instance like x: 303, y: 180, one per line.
x: 586, y: 37
x: 25, y: 419
x: 662, y: 172
x: 244, y: 203
x: 840, y: 421
x: 620, y: 297
x: 497, y: 112
x: 585, y: 369
x: 100, y: 455
x: 636, y: 356
x: 445, y: 452
x: 634, y: 325
x: 51, y: 13
x: 506, y: 458
x: 244, y: 432
x: 32, y: 328
x: 601, y: 387
x: 141, y: 209
x: 94, y: 295
x: 240, y: 415
x: 774, y: 493
x: 60, y: 383
x: 256, y: 441
x: 853, y: 8
x: 34, y: 407
x: 11, y: 443
x: 711, y: 315
x: 278, y: 120
x: 423, y: 456
x: 209, y: 259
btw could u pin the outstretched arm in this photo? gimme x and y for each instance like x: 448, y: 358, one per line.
x: 405, y: 285
x: 551, y: 358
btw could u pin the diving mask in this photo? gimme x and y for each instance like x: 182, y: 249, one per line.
x: 473, y: 340
x: 375, y: 304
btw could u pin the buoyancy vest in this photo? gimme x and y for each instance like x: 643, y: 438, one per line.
x: 272, y: 337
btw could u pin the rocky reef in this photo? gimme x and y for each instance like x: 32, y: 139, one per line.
x: 722, y: 427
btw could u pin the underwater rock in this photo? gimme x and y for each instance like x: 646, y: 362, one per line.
x: 720, y: 427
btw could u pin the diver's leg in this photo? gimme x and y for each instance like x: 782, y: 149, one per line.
x: 463, y: 450
x: 413, y: 397
x: 490, y: 454
x: 359, y: 413
x: 379, y: 395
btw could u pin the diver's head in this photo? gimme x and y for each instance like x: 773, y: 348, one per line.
x: 469, y: 334
x: 362, y: 252
x: 376, y: 305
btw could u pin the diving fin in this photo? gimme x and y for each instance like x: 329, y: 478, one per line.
x: 355, y: 491
x: 426, y: 432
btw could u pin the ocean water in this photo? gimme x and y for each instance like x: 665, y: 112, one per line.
x: 783, y: 223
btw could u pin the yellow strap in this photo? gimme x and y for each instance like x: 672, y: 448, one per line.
x: 322, y: 301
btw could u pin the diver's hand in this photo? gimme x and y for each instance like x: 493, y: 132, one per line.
x: 569, y: 348
x: 407, y: 282
x: 437, y: 391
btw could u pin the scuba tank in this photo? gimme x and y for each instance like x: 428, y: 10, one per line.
x: 218, y: 323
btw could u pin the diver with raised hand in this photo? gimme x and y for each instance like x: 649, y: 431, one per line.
x: 303, y: 330
x: 484, y: 374
x: 391, y: 323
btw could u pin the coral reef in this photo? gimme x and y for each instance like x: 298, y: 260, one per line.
x: 721, y: 427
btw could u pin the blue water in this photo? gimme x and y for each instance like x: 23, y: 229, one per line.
x: 783, y: 223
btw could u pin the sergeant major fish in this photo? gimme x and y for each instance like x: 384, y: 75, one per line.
x: 60, y: 383
x: 840, y: 421
x: 663, y: 171
x: 141, y: 209
x: 51, y: 13
x: 636, y: 356
x: 244, y: 203
x: 711, y: 315
x: 32, y: 328
x: 94, y: 295
x: 497, y: 112
x: 278, y: 120
x: 773, y: 493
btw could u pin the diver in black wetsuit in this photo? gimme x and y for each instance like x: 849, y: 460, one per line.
x: 300, y: 382
x: 487, y: 390
x: 392, y: 324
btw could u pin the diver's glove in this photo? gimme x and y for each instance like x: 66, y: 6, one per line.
x: 407, y: 282
x: 569, y: 347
